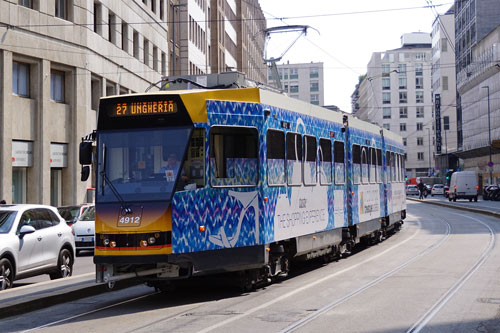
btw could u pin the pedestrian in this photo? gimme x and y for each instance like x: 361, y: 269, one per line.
x: 3, y: 202
x: 421, y: 189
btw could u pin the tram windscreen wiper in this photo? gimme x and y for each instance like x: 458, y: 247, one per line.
x: 105, y: 180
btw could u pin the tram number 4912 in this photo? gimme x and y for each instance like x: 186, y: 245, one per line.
x: 129, y: 221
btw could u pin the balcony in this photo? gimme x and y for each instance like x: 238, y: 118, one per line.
x: 484, y: 66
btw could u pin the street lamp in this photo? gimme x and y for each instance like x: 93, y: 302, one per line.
x: 490, y: 164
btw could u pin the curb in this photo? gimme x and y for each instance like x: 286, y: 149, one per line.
x: 472, y: 210
x: 36, y: 300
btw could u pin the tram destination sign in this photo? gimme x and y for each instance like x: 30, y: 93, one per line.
x: 146, y: 108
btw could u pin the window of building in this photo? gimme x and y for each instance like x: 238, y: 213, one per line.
x: 61, y: 9
x: 294, y: 158
x: 386, y: 98
x: 313, y: 72
x: 402, y: 127
x: 112, y: 28
x: 386, y: 68
x: 404, y: 141
x: 294, y: 89
x: 26, y: 3
x: 386, y: 83
x: 314, y: 86
x: 275, y: 158
x: 162, y: 10
x: 420, y: 111
x: 420, y: 141
x: 419, y: 96
x: 294, y: 73
x: 420, y: 126
x: 401, y: 56
x: 420, y: 56
x: 315, y: 99
x: 325, y: 160
x: 402, y: 83
x: 446, y: 123
x: 146, y: 52
x: 419, y: 83
x: 387, y: 126
x: 444, y: 45
x: 21, y: 79
x: 402, y: 70
x: 136, y: 44
x: 444, y: 81
x: 310, y: 149
x: 57, y: 86
x: 419, y: 69
x: 403, y: 112
x: 234, y: 156
x: 386, y: 113
x: 338, y: 157
x: 125, y: 36
x: 403, y: 97
x: 420, y: 156
x: 96, y: 92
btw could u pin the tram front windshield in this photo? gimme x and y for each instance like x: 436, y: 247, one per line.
x: 140, y: 165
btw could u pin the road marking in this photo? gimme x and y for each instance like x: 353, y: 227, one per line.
x: 434, y: 309
x: 316, y: 282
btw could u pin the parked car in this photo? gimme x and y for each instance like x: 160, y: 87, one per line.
x: 34, y: 240
x: 412, y: 190
x: 437, y: 189
x: 428, y: 189
x: 72, y: 213
x: 491, y: 192
x: 84, y: 230
x: 463, y: 185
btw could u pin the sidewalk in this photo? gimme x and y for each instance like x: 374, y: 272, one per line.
x: 454, y: 206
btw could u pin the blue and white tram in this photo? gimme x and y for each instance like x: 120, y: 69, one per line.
x: 265, y: 179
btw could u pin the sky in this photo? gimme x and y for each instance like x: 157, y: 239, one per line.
x: 348, y: 32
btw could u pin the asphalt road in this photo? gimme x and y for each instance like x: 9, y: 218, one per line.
x: 439, y: 273
x: 493, y: 206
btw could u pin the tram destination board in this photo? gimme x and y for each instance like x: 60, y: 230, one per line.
x: 142, y: 111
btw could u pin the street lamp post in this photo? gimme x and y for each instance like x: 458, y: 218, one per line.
x: 490, y: 165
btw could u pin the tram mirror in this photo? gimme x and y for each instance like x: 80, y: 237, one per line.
x: 85, y: 173
x: 85, y: 153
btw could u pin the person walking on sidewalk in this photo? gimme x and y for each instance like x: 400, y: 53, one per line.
x: 421, y: 189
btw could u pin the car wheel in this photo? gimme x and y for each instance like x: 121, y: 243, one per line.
x: 449, y: 199
x: 6, y: 274
x: 64, y: 265
x: 454, y: 199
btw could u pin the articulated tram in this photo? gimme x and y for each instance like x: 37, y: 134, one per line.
x: 203, y: 181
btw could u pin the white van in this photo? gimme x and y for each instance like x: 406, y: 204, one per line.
x: 463, y: 185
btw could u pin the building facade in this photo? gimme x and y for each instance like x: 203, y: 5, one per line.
x: 302, y: 81
x: 396, y: 94
x: 444, y: 91
x: 477, y: 33
x: 57, y: 58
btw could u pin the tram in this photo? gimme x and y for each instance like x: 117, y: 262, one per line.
x: 202, y: 181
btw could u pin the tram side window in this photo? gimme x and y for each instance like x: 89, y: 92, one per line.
x: 325, y: 160
x: 398, y: 168
x: 373, y: 165
x: 275, y: 158
x: 393, y: 168
x: 194, y: 166
x: 364, y: 165
x: 310, y: 177
x: 403, y: 169
x: 388, y: 166
x: 338, y: 151
x: 380, y: 168
x: 294, y: 158
x: 356, y: 164
x: 233, y: 156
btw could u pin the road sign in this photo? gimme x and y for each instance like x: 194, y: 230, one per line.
x: 490, y: 164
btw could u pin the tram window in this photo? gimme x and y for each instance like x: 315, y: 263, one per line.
x: 310, y: 177
x: 388, y: 166
x: 325, y: 160
x: 338, y: 156
x: 364, y: 165
x: 403, y: 168
x: 275, y: 158
x: 393, y: 168
x: 380, y: 168
x: 233, y: 156
x: 294, y: 158
x: 398, y: 168
x: 373, y: 165
x: 356, y: 164
x: 194, y: 166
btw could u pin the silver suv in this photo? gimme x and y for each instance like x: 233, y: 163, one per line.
x: 34, y: 240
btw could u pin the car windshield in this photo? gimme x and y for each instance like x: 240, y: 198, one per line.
x: 139, y: 165
x: 88, y: 215
x: 438, y: 186
x: 69, y: 213
x: 6, y: 220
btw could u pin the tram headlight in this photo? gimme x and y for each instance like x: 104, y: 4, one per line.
x: 151, y: 240
x: 143, y: 243
x: 112, y: 244
x: 106, y: 242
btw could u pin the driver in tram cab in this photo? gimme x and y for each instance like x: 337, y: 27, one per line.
x: 171, y: 169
